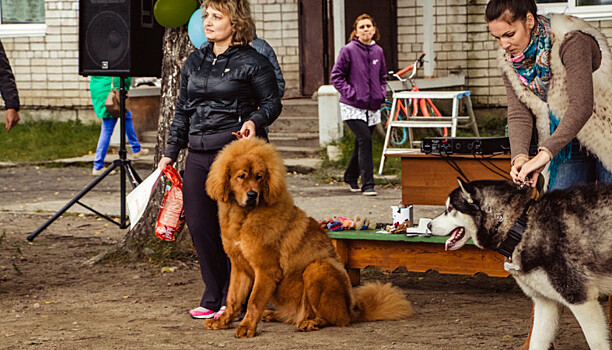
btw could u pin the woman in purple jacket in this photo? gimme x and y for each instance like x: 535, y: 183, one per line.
x: 360, y: 76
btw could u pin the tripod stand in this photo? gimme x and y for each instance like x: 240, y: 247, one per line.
x: 126, y: 171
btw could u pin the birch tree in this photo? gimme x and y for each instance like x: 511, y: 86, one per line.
x: 176, y: 48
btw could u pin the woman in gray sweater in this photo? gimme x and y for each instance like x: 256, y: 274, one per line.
x: 556, y: 70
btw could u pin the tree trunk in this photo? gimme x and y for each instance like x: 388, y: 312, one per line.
x: 176, y: 49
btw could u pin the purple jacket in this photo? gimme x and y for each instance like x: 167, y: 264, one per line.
x: 360, y: 75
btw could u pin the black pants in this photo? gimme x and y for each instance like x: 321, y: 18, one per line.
x: 203, y: 222
x: 361, y: 162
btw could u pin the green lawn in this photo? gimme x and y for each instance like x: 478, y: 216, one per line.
x: 47, y: 140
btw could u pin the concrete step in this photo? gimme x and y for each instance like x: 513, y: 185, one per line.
x: 294, y: 139
x: 303, y: 124
x: 149, y: 136
x: 300, y: 107
x: 288, y: 152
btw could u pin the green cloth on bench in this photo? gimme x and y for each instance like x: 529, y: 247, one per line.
x: 373, y: 235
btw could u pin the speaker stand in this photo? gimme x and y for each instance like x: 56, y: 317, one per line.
x: 127, y: 172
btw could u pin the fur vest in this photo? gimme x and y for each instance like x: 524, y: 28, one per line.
x: 596, y: 134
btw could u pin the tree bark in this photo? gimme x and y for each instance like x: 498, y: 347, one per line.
x: 176, y: 48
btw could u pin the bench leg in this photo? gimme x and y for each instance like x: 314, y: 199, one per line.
x: 342, y: 249
x: 354, y: 276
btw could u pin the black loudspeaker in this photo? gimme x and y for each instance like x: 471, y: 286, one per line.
x: 119, y: 38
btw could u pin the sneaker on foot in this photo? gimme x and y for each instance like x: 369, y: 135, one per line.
x: 201, y: 312
x: 142, y: 152
x: 354, y: 187
x: 369, y: 192
x: 220, y: 312
x: 100, y: 171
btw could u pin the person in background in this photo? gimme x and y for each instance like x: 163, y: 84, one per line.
x: 8, y: 89
x: 556, y: 69
x: 360, y: 75
x: 262, y: 46
x: 99, y: 88
x: 226, y: 88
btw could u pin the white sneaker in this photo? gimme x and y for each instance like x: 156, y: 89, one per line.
x: 96, y: 172
x: 142, y: 152
x: 99, y: 172
x: 369, y: 193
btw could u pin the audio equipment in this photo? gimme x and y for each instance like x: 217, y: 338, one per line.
x: 119, y: 38
x: 465, y: 145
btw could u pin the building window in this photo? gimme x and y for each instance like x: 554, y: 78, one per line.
x: 22, y: 18
x: 594, y: 10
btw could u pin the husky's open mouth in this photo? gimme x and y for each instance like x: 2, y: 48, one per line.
x: 455, y: 237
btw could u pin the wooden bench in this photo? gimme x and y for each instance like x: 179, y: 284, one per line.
x: 358, y: 249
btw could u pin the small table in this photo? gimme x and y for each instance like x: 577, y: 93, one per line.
x: 429, y: 178
x: 358, y: 249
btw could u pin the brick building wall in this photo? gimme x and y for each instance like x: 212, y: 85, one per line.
x: 46, y: 67
x: 462, y: 44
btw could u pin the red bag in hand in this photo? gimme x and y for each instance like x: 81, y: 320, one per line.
x: 171, y: 218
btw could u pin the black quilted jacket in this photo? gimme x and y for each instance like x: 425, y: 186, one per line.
x: 218, y: 94
x: 8, y: 89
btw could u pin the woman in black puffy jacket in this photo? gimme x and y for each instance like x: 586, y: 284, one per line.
x: 226, y: 87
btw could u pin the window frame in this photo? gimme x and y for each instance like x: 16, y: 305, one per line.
x: 13, y: 30
x: 21, y: 30
x: 589, y: 13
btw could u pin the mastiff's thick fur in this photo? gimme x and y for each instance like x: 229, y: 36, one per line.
x: 564, y: 256
x: 281, y: 256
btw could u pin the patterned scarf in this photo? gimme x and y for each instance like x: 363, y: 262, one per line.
x: 533, y: 69
x: 533, y: 65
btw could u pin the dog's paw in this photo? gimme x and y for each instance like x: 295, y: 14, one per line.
x: 308, y: 326
x: 269, y: 316
x: 219, y: 323
x: 245, y: 331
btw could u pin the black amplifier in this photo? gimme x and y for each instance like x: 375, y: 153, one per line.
x: 465, y: 145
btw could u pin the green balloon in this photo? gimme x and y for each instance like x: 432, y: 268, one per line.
x: 174, y: 13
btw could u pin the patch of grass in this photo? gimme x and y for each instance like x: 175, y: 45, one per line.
x: 34, y: 141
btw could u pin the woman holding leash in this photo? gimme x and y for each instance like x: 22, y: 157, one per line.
x: 226, y: 88
x: 557, y: 71
x: 360, y: 75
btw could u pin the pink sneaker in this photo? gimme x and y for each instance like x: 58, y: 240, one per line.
x: 220, y: 312
x: 201, y: 312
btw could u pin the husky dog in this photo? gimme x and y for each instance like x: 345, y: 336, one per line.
x: 563, y: 257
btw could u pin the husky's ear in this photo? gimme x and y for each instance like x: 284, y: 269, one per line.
x: 468, y: 196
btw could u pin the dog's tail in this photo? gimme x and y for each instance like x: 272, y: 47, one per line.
x: 376, y: 301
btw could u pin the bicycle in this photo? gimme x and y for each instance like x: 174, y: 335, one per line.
x: 426, y: 107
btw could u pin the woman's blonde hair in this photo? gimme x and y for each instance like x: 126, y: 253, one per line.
x: 361, y: 17
x: 239, y: 12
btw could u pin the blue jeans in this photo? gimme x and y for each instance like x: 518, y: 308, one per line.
x: 108, y: 125
x: 583, y: 168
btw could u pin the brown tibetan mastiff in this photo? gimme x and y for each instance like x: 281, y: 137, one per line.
x: 281, y: 256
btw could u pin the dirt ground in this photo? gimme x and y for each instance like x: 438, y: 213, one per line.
x: 51, y: 299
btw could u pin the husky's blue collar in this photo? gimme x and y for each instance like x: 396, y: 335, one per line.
x: 515, y: 234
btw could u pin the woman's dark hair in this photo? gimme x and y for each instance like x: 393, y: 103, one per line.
x: 360, y: 18
x: 510, y: 10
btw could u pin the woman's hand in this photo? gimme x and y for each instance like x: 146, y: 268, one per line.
x: 516, y: 167
x: 247, y: 131
x: 528, y: 171
x: 164, y: 162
